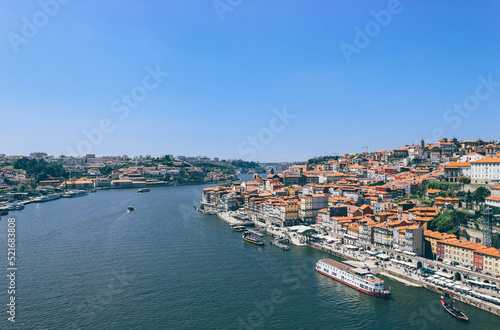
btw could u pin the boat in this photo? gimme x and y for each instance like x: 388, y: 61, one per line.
x: 141, y: 190
x: 4, y: 211
x: 452, y: 310
x: 19, y: 206
x: 130, y: 209
x: 238, y: 228
x: 47, y: 198
x: 358, y: 278
x: 77, y: 193
x: 11, y: 207
x: 252, y: 238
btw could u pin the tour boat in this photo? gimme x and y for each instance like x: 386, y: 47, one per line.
x: 254, y: 239
x: 452, y: 310
x: 358, y: 278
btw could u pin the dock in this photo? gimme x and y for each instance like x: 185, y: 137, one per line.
x: 399, y: 279
x: 280, y: 245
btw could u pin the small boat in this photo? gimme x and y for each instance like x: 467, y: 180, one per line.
x: 452, y: 310
x: 130, y: 209
x: 19, y: 206
x: 4, y: 211
x: 254, y: 239
x: 11, y: 207
x: 141, y: 190
x: 238, y: 228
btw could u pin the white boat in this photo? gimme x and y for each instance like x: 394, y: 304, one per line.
x: 358, y: 278
x: 47, y: 198
x: 141, y: 190
x: 19, y: 206
x: 77, y: 193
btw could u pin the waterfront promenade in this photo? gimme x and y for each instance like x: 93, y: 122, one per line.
x: 410, y: 276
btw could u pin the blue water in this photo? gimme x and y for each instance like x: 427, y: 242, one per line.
x: 87, y: 263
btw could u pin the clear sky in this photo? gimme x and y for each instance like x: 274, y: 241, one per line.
x: 252, y: 79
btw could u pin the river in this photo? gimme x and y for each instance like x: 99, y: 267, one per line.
x: 86, y: 263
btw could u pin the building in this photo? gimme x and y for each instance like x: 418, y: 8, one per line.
x: 455, y: 170
x: 79, y: 184
x: 38, y: 154
x: 310, y: 204
x: 414, y: 240
x: 433, y: 237
x: 487, y: 260
x: 460, y: 251
x: 494, y: 199
x: 485, y: 170
x: 122, y: 184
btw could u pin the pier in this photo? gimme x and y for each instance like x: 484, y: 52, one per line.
x: 280, y: 245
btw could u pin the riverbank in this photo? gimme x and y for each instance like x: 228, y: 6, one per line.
x: 406, y: 275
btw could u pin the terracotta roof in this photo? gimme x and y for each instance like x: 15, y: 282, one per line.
x: 487, y: 160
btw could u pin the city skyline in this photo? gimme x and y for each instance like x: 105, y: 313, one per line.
x: 258, y: 81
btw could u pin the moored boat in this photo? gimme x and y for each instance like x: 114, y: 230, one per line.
x: 141, y: 190
x: 19, y: 206
x: 238, y: 228
x: 252, y: 238
x: 452, y: 310
x: 358, y: 278
x: 47, y: 198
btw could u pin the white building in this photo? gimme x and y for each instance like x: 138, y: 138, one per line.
x: 494, y: 199
x: 472, y: 157
x: 485, y: 170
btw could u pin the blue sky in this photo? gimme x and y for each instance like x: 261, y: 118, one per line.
x: 220, y: 82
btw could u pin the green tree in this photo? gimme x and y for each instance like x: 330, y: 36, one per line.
x: 468, y: 197
x: 464, y: 180
x: 448, y: 221
x: 480, y: 194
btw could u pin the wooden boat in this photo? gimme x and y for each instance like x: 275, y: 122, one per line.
x: 452, y: 310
